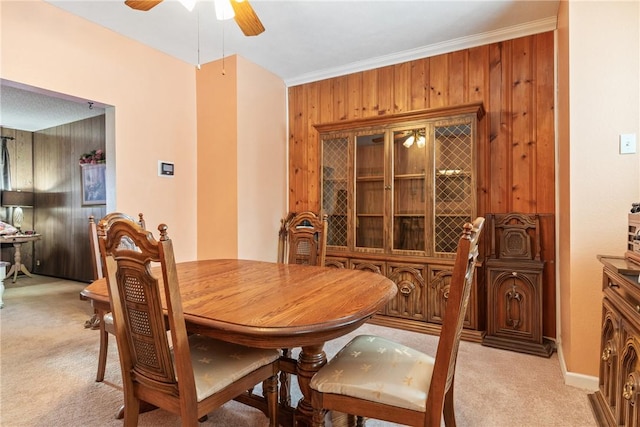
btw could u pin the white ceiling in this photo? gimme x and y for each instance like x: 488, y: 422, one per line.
x: 313, y: 39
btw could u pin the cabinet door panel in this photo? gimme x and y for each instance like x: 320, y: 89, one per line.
x: 370, y: 191
x: 609, y: 348
x: 439, y: 283
x: 411, y: 297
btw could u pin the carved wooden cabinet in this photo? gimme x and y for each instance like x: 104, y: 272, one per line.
x: 514, y: 275
x: 617, y: 401
x: 397, y: 191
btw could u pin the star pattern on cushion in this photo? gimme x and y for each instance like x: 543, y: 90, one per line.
x: 379, y: 369
x: 236, y: 356
x: 205, y: 360
x: 337, y: 375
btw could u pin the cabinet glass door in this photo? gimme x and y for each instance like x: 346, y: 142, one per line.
x: 454, y: 198
x: 335, y: 200
x: 409, y: 191
x: 369, y: 195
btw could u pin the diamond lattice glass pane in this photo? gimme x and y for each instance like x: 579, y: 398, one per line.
x: 334, y: 188
x: 453, y: 191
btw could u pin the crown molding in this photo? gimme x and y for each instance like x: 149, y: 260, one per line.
x: 508, y: 33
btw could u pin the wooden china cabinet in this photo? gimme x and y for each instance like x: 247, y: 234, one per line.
x: 397, y: 191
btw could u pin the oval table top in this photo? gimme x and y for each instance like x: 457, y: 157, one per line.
x: 272, y: 305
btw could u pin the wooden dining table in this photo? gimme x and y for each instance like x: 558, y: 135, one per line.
x: 273, y: 305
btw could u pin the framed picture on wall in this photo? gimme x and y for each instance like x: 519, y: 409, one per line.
x: 94, y: 184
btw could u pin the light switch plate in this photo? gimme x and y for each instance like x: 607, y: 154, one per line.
x: 628, y: 143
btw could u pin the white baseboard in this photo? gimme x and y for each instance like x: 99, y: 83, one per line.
x: 587, y: 382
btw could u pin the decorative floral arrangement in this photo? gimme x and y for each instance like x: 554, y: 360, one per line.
x: 94, y: 157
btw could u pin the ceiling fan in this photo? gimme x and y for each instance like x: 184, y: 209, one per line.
x: 244, y: 14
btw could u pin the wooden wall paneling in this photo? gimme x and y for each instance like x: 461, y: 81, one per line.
x: 401, y: 87
x: 310, y: 151
x: 340, y: 88
x: 438, y: 81
x: 325, y: 101
x: 385, y: 90
x: 478, y: 87
x: 515, y: 81
x: 297, y: 123
x: 548, y: 255
x: 369, y: 93
x: 498, y: 121
x: 419, y: 84
x: 458, y: 74
x: 354, y: 96
x: 545, y: 122
x: 523, y: 150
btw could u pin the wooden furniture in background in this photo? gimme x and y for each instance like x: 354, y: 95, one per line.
x: 17, y: 240
x: 194, y: 375
x: 514, y: 285
x: 514, y: 79
x: 617, y: 401
x: 300, y: 306
x: 383, y: 391
x: 102, y: 320
x: 414, y: 177
x: 303, y: 239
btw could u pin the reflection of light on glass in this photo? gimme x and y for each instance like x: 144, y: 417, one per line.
x: 449, y: 171
x: 409, y: 141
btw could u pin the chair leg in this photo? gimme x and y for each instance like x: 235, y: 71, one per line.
x: 448, y: 411
x: 270, y: 389
x: 102, y: 352
x: 131, y: 412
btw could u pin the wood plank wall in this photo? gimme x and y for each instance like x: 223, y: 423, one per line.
x: 59, y: 215
x: 515, y: 81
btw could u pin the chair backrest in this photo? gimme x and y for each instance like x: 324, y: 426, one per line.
x: 303, y: 239
x: 96, y: 261
x: 459, y: 292
x: 515, y: 236
x: 136, y: 294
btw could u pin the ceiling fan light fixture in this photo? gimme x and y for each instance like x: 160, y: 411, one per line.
x: 224, y: 10
x: 188, y: 4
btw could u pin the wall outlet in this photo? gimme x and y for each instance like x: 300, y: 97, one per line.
x: 628, y: 143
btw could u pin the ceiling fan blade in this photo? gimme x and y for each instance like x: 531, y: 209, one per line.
x: 142, y: 4
x: 246, y: 18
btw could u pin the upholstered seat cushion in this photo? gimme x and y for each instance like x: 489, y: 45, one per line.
x: 377, y: 369
x: 216, y: 364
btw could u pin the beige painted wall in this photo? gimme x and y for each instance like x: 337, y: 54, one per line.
x: 241, y: 198
x: 604, y: 97
x: 153, y: 95
x: 262, y: 161
x: 218, y: 180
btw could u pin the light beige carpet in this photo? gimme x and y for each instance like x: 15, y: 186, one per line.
x: 48, y: 364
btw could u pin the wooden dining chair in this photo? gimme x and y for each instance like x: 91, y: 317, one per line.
x: 377, y: 378
x: 197, y: 374
x: 101, y: 320
x: 303, y: 239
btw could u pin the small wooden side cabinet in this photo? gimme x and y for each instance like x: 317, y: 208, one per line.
x: 617, y: 401
x: 514, y: 275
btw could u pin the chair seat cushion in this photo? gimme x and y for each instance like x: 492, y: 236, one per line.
x: 380, y: 370
x: 216, y: 364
